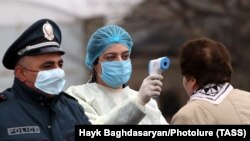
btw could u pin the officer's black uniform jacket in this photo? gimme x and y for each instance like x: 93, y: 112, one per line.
x: 26, y: 115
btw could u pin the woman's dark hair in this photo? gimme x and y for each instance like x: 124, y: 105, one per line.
x: 206, y: 60
x: 94, y: 73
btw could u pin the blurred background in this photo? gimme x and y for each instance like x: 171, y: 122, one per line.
x: 158, y: 28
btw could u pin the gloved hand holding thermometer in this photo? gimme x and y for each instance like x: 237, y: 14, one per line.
x: 151, y: 86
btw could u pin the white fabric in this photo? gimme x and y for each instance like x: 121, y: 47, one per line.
x: 102, y: 103
x: 213, y: 93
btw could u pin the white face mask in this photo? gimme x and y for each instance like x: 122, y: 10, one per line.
x: 116, y: 73
x: 50, y: 81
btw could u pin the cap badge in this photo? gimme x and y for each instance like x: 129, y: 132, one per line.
x: 48, y: 31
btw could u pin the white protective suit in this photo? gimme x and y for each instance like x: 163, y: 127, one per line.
x: 105, y: 105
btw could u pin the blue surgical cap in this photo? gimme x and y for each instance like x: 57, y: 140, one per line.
x: 102, y: 38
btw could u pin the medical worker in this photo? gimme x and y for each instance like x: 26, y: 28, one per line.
x: 106, y: 98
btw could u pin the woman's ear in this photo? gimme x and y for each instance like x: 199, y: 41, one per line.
x: 192, y: 83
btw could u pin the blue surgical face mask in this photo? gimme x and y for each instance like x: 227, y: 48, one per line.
x: 50, y: 81
x: 116, y: 73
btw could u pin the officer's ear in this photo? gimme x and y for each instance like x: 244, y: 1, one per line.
x: 19, y: 73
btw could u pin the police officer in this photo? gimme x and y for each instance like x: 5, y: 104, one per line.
x: 35, y: 107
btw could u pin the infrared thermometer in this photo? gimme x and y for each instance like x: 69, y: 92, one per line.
x: 157, y: 66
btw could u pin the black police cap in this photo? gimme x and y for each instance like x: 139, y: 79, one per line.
x: 44, y: 36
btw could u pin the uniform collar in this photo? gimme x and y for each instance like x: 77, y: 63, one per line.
x: 31, y: 96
